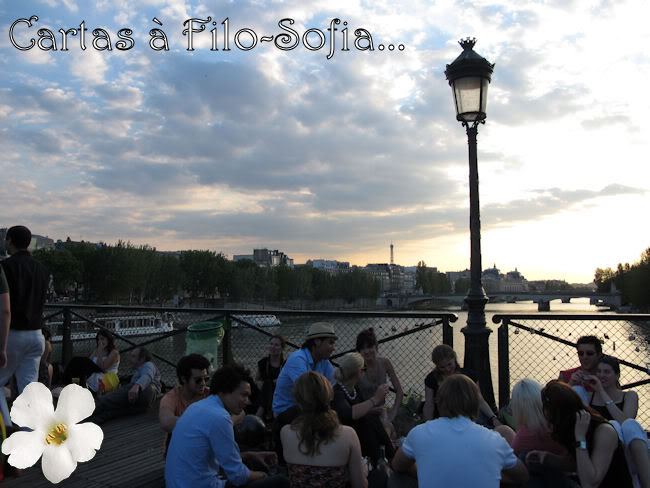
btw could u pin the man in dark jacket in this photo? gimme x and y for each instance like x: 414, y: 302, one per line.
x: 28, y: 280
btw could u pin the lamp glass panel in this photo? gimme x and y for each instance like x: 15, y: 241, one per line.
x: 485, y: 84
x: 468, y: 94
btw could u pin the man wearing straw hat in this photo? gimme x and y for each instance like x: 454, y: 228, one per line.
x: 312, y: 356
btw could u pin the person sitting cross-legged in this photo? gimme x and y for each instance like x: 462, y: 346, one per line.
x: 320, y: 452
x: 590, y: 350
x: 453, y: 450
x: 533, y: 433
x: 203, y: 442
x: 620, y: 409
x: 135, y: 397
x: 595, y: 452
x: 193, y: 379
x: 446, y: 362
x: 312, y: 356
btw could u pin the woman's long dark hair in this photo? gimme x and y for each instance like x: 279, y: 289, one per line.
x: 561, y: 403
x: 109, y: 337
x: 317, y: 423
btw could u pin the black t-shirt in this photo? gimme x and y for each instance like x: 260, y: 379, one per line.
x: 342, y: 404
x: 431, y: 381
x: 28, y: 280
x: 266, y: 371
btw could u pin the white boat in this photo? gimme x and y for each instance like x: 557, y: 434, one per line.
x: 256, y: 320
x: 126, y: 325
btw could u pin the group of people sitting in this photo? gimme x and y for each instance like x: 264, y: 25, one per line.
x: 99, y: 373
x: 330, y: 426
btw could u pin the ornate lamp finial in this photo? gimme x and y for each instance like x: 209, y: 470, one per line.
x: 467, y: 43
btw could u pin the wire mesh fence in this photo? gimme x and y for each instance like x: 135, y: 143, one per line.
x: 540, y: 346
x: 537, y: 346
x: 406, y: 339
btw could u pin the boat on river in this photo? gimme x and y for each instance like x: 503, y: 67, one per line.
x: 122, y: 325
x: 256, y: 320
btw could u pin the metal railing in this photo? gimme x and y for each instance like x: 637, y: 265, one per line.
x: 539, y: 346
x: 529, y: 345
x: 406, y: 338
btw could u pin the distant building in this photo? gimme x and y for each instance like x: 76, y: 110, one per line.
x: 38, y: 242
x: 242, y: 257
x: 549, y: 285
x: 267, y: 258
x: 393, y: 278
x: 330, y: 266
x: 515, y: 282
x: 511, y: 282
x: 381, y: 272
x: 454, y: 276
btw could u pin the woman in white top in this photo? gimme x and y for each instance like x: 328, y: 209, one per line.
x: 319, y: 451
x: 106, y: 356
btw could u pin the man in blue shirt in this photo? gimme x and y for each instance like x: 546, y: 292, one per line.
x: 313, y: 356
x: 137, y: 396
x: 203, y: 440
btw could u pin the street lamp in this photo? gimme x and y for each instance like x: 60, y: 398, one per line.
x: 469, y: 76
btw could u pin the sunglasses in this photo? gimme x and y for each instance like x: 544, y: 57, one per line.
x: 588, y: 353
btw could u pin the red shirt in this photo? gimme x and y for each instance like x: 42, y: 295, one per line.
x: 566, y: 376
x: 527, y: 440
x: 174, y: 401
x: 567, y: 373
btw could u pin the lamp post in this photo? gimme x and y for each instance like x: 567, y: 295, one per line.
x: 469, y: 76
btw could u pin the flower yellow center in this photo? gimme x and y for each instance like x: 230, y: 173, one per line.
x: 57, y: 434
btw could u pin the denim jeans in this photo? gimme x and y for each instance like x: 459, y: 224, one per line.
x: 24, y: 351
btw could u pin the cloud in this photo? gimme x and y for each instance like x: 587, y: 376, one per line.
x: 235, y: 148
x: 606, y: 121
x: 548, y: 202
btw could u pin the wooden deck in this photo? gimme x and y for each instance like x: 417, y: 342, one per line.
x: 130, y: 456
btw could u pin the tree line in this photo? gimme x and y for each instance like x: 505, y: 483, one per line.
x: 633, y: 281
x: 126, y: 273
x: 433, y: 282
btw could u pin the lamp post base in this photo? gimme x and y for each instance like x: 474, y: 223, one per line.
x: 477, y: 350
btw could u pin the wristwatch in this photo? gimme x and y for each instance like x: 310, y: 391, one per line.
x: 581, y: 444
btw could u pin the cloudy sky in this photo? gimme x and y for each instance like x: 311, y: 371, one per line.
x: 258, y: 146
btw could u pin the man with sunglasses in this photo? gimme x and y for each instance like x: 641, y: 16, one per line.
x: 193, y: 379
x: 590, y: 351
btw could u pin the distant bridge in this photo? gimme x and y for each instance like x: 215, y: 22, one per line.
x: 542, y: 299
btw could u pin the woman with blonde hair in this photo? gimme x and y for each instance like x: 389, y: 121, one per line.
x: 319, y: 451
x: 360, y: 414
x: 533, y: 430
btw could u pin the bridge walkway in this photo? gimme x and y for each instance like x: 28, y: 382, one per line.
x: 130, y: 456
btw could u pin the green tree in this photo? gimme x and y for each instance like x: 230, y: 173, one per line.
x: 442, y: 284
x: 200, y: 272
x: 165, y: 278
x: 461, y: 287
x: 421, y: 277
x: 602, y: 279
x: 66, y: 270
x: 243, y: 285
x: 83, y: 253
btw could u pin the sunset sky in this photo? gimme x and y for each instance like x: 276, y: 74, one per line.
x: 258, y: 146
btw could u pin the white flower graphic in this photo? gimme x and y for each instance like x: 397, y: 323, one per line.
x: 56, y: 435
